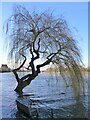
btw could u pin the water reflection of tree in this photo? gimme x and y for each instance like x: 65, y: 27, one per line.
x: 78, y: 110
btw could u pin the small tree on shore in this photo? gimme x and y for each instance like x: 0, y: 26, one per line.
x: 36, y: 36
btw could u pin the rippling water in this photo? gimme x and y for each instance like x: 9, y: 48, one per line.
x: 49, y: 91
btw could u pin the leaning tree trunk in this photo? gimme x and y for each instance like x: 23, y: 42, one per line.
x: 19, y: 88
x: 24, y: 81
x: 21, y: 85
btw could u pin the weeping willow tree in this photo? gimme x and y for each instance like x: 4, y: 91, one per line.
x: 42, y: 36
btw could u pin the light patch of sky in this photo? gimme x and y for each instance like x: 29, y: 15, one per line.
x: 45, y: 0
x: 75, y: 13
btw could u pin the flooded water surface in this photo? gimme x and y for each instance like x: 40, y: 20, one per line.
x: 50, y: 93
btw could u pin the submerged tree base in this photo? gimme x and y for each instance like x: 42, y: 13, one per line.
x: 18, y: 90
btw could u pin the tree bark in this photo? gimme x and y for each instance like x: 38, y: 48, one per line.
x: 25, y: 81
x: 21, y: 85
x: 19, y: 89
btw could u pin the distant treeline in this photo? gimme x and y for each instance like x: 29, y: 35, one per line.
x: 52, y: 69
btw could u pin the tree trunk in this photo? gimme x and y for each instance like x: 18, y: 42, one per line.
x: 21, y: 85
x: 19, y: 88
x: 24, y: 81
